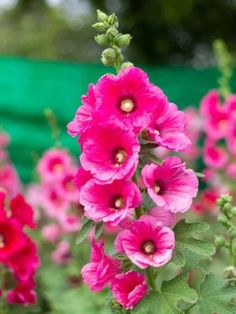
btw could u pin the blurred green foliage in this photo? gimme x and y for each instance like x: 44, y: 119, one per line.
x: 172, y: 31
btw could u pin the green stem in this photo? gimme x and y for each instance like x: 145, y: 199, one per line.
x: 151, y: 277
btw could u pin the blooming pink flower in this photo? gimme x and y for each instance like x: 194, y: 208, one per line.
x: 82, y: 176
x: 214, y: 156
x: 216, y: 115
x: 67, y: 187
x: 62, y: 255
x: 128, y: 99
x: 170, y: 185
x: 167, y: 128
x: 84, y: 114
x: 53, y: 164
x: 110, y: 153
x: 231, y: 137
x: 146, y: 243
x: 110, y: 202
x: 98, y: 273
x: 70, y: 223
x: 129, y: 288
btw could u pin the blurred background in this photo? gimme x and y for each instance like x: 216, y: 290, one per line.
x: 48, y: 56
x: 173, y: 31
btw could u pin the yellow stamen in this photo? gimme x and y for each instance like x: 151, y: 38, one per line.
x: 127, y: 105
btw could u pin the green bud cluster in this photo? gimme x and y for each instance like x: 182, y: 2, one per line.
x: 226, y: 219
x: 110, y: 36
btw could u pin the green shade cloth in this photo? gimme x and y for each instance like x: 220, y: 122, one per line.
x: 27, y: 87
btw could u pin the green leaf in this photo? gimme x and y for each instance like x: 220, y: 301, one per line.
x: 190, y: 250
x: 87, y: 226
x: 98, y: 230
x: 200, y: 175
x: 215, y: 296
x: 166, y: 301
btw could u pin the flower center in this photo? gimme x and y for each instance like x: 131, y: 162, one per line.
x: 119, y: 202
x: 222, y: 124
x: 57, y: 168
x: 127, y: 105
x: 157, y: 132
x: 149, y: 247
x: 2, y: 243
x: 120, y: 156
x: 156, y: 188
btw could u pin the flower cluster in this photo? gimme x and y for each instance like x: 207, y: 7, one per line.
x: 18, y: 252
x: 57, y: 196
x: 9, y: 179
x: 219, y: 126
x: 122, y: 118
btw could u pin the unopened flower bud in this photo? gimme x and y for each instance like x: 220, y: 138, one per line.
x: 113, y: 20
x: 126, y: 65
x: 101, y: 39
x: 233, y: 211
x: 224, y: 220
x: 112, y: 33
x: 232, y: 232
x: 224, y: 199
x: 226, y: 208
x: 124, y: 40
x: 102, y: 17
x: 219, y: 240
x: 100, y: 27
x: 108, y: 56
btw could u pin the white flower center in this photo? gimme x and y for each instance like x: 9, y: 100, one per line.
x: 2, y: 244
x: 119, y: 202
x: 120, y: 156
x: 127, y: 105
x: 156, y: 188
x: 149, y: 247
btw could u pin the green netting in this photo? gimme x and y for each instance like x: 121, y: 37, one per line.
x: 28, y: 87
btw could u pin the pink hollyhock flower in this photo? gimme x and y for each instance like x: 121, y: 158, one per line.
x: 67, y: 187
x: 84, y: 114
x: 109, y: 202
x: 53, y: 203
x: 110, y: 153
x: 170, y: 185
x: 62, y: 255
x: 231, y: 103
x: 22, y: 211
x: 129, y: 288
x: 53, y: 164
x: 4, y: 139
x: 216, y: 115
x: 147, y: 242
x: 167, y: 128
x: 51, y: 232
x: 128, y: 99
x: 163, y: 215
x: 98, y: 273
x: 22, y: 294
x: 214, y: 156
x: 9, y: 179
